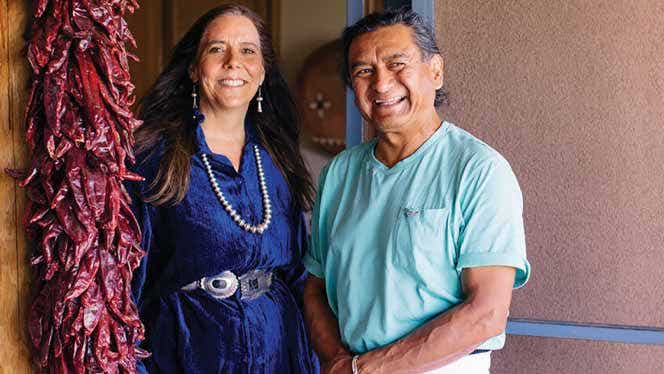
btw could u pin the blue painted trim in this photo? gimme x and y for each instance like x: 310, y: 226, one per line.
x: 354, y: 11
x: 396, y: 3
x: 353, y: 121
x: 426, y: 9
x: 586, y: 331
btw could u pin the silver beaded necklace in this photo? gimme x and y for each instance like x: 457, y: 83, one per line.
x: 267, y: 208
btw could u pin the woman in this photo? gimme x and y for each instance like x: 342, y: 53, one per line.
x: 221, y: 207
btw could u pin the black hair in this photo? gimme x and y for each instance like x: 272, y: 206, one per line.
x: 422, y: 34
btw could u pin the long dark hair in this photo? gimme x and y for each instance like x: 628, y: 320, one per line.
x: 166, y: 112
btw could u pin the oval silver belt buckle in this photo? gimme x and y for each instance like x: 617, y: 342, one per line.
x: 220, y: 286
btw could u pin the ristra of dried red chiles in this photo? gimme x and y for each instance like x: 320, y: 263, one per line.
x: 79, y: 133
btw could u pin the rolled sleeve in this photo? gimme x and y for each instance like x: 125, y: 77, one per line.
x: 313, y: 266
x: 498, y: 259
x: 492, y: 233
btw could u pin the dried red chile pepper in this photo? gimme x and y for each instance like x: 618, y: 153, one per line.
x: 79, y: 133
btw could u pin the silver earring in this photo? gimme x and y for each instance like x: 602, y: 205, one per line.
x: 194, y: 96
x: 259, y: 100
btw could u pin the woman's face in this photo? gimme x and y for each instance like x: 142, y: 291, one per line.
x: 229, y: 66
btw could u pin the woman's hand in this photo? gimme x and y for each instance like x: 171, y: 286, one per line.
x: 341, y: 364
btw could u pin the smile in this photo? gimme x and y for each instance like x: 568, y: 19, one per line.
x: 232, y: 82
x: 389, y: 101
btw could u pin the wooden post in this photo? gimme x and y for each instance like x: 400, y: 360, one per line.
x: 14, y: 268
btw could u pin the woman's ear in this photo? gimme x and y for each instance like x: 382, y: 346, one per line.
x: 193, y: 75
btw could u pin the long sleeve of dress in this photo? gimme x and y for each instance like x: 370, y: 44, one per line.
x: 145, y: 214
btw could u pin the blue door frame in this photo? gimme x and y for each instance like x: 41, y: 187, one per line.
x: 354, y: 11
x: 515, y: 326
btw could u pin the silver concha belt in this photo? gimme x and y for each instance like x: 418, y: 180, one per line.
x: 221, y: 286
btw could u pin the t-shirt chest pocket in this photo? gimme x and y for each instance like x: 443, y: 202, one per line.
x: 421, y: 243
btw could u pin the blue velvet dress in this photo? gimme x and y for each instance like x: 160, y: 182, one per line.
x: 192, y: 332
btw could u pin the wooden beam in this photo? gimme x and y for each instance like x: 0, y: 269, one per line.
x: 14, y: 278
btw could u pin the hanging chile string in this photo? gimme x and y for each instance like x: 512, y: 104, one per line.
x: 79, y: 134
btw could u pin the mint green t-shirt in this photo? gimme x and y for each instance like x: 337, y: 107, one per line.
x: 390, y: 243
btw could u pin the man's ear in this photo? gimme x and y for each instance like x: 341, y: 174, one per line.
x: 436, y: 64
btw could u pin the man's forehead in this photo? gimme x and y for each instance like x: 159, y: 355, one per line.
x: 385, y: 42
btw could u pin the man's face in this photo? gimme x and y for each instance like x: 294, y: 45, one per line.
x: 394, y: 85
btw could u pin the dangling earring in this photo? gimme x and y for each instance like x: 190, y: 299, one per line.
x: 259, y: 100
x: 194, y: 96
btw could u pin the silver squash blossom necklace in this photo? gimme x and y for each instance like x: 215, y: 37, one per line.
x: 267, y: 208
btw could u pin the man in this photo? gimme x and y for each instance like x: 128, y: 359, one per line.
x: 417, y: 235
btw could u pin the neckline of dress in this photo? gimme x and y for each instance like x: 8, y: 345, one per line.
x: 203, y: 147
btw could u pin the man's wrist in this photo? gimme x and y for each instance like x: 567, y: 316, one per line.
x: 354, y: 364
x: 368, y: 363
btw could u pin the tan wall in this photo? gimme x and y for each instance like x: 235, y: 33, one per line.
x: 572, y: 94
x: 305, y: 26
x: 533, y: 355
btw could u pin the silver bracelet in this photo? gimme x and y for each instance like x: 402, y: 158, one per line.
x: 354, y: 364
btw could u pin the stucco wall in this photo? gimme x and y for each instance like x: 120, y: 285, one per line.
x: 572, y: 94
x: 533, y: 355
